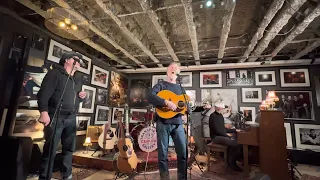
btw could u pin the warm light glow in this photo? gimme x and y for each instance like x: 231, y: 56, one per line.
x: 62, y: 24
x: 271, y: 94
x: 67, y: 21
x: 293, y: 73
x: 88, y: 140
x: 208, y: 3
x: 74, y: 27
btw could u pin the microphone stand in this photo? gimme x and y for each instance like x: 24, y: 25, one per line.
x: 187, y: 105
x: 52, y: 133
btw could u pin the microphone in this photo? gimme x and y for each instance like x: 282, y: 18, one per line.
x: 176, y: 73
x: 79, y: 61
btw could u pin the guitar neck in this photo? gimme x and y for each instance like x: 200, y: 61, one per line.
x: 126, y: 119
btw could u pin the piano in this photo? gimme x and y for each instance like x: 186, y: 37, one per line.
x: 270, y: 138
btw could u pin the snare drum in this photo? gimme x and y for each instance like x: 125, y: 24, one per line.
x: 135, y: 133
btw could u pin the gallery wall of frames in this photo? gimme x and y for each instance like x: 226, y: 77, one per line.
x: 298, y: 89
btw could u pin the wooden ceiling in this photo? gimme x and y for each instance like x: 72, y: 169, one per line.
x: 149, y: 34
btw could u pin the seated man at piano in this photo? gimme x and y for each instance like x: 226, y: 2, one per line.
x: 218, y: 135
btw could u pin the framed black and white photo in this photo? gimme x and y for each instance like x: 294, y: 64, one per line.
x: 192, y: 95
x: 295, y: 105
x: 85, y: 65
x: 158, y: 78
x: 117, y: 115
x: 56, y: 50
x: 317, y: 85
x: 38, y: 42
x: 100, y: 77
x: 102, y: 96
x: 288, y: 135
x: 85, y: 78
x: 103, y: 115
x: 87, y: 105
x: 138, y: 115
x: 3, y: 119
x: 265, y: 78
x: 26, y: 124
x: 82, y: 123
x: 294, y: 78
x: 139, y: 92
x: 307, y: 136
x: 211, y: 79
x: 240, y: 78
x: 251, y: 95
x: 249, y: 113
x: 226, y: 96
x: 186, y: 79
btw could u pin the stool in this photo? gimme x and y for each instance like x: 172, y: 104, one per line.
x: 217, y: 148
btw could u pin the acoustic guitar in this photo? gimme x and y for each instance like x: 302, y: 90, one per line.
x: 178, y: 100
x: 127, y: 160
x: 108, y: 138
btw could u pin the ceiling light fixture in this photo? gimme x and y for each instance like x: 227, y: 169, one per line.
x: 209, y: 3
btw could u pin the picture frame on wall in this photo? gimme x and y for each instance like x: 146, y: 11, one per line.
x: 102, y: 96
x: 56, y: 50
x: 251, y: 95
x: 317, y: 85
x: 82, y: 123
x: 103, y: 115
x: 38, y: 42
x: 211, y: 79
x: 139, y: 91
x: 87, y: 105
x: 138, y: 115
x: 227, y: 96
x: 307, y: 136
x: 249, y: 113
x: 192, y: 95
x: 294, y: 78
x: 240, y: 77
x: 85, y: 66
x: 296, y: 105
x: 100, y: 77
x: 158, y: 78
x: 265, y: 78
x: 117, y: 114
x: 287, y: 126
x: 186, y: 79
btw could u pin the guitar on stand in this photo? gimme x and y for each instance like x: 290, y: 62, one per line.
x: 108, y: 139
x: 127, y: 160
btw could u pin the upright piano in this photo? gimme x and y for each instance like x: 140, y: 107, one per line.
x: 270, y: 138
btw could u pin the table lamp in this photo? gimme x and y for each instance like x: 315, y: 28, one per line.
x: 87, y: 143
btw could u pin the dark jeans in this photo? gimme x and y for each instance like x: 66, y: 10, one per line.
x: 179, y: 139
x: 234, y: 149
x: 66, y: 131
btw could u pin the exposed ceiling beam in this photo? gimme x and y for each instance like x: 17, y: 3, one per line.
x: 192, y: 28
x: 280, y: 21
x: 307, y: 49
x: 126, y: 30
x: 43, y: 13
x: 298, y: 30
x: 273, y: 9
x: 103, y: 35
x: 152, y: 15
x: 230, y: 6
x: 299, y: 62
x: 304, y: 40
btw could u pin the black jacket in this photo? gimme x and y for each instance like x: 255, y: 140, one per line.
x: 51, y: 91
x: 216, y: 126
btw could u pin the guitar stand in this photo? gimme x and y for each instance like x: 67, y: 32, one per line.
x: 120, y: 175
x: 98, y: 148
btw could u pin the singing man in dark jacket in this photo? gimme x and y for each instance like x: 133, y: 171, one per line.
x: 48, y: 99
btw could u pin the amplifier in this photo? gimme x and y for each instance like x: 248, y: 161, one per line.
x: 94, y: 132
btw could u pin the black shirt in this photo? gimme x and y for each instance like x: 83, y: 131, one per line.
x: 216, y: 125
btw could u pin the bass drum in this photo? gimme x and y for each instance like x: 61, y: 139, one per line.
x: 135, y: 133
x: 147, y: 139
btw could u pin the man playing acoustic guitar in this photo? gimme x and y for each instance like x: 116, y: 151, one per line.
x: 169, y: 126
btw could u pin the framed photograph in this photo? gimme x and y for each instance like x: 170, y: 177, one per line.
x: 56, y: 50
x: 26, y: 124
x: 251, y: 95
x: 3, y: 119
x: 249, y: 113
x: 99, y: 77
x: 158, y: 78
x: 117, y: 114
x: 82, y: 124
x: 85, y: 78
x: 38, y: 42
x: 307, y: 136
x: 295, y: 105
x: 288, y: 135
x: 226, y: 96
x: 85, y: 66
x: 317, y: 84
x: 139, y: 92
x: 192, y: 94
x: 118, y: 90
x: 102, y: 96
x: 265, y: 78
x: 211, y: 79
x: 240, y: 78
x: 186, y: 79
x: 294, y: 78
x: 103, y: 115
x: 138, y: 115
x: 87, y: 105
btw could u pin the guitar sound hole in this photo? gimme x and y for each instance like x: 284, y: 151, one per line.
x: 125, y: 148
x: 181, y: 104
